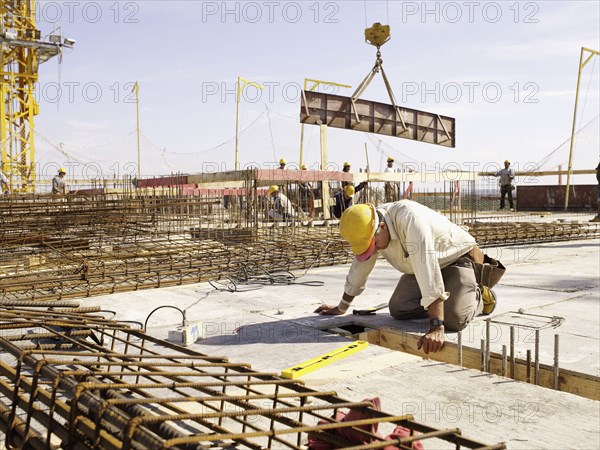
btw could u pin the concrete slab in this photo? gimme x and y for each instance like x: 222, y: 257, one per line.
x: 486, y: 406
x: 274, y: 328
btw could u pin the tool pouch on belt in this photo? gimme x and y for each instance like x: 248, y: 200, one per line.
x: 490, y: 272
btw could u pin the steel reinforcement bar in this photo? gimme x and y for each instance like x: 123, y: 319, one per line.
x: 79, y: 381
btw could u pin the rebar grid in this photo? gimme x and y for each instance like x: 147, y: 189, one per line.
x: 89, y: 382
x: 514, y: 233
x: 55, y: 249
x: 62, y: 248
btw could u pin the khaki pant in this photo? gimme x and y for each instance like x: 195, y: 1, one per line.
x: 463, y: 304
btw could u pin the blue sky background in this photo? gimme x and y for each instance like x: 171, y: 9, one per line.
x: 520, y: 59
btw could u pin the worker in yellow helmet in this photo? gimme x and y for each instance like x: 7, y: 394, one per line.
x: 343, y: 199
x: 346, y: 169
x: 507, y: 175
x: 282, y: 207
x: 436, y: 257
x: 59, y: 186
x: 282, y: 163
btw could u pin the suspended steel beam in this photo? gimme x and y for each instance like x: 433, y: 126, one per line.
x: 379, y: 118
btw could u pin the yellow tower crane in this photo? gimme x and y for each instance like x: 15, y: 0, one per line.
x: 22, y: 51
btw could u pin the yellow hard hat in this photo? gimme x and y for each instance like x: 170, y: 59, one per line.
x: 346, y: 164
x: 390, y: 159
x: 272, y: 189
x: 303, y: 167
x: 62, y: 170
x: 282, y: 161
x: 349, y: 190
x: 506, y: 161
x: 357, y: 226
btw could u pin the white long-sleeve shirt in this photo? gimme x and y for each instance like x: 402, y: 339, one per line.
x: 506, y: 176
x: 422, y: 242
x: 283, y: 204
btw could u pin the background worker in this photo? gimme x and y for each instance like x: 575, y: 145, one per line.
x: 343, y: 199
x: 282, y: 164
x: 282, y: 207
x: 435, y: 257
x: 506, y: 178
x: 59, y: 186
x: 390, y: 187
x: 4, y: 185
x: 306, y: 194
x: 346, y: 169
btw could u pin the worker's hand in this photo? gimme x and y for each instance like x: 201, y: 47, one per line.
x: 328, y: 310
x: 432, y: 341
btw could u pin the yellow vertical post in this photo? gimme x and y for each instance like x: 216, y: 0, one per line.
x: 237, y: 122
x: 569, y: 167
x: 325, y: 195
x: 136, y: 88
x: 32, y: 111
x: 240, y: 88
x: 300, y: 162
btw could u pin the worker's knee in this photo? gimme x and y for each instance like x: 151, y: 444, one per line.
x: 455, y: 322
x: 458, y: 315
x: 399, y: 313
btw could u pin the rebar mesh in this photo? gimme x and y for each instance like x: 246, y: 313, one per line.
x: 81, y: 381
x: 55, y: 248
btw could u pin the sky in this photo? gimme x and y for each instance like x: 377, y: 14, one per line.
x: 506, y: 71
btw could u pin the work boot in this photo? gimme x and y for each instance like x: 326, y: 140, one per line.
x: 489, y: 300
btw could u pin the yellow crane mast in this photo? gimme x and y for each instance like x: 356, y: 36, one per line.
x: 22, y: 51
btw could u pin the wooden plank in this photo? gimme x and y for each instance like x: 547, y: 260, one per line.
x: 174, y: 180
x: 420, y: 177
x: 582, y: 384
x: 277, y: 176
x: 544, y: 173
x: 206, y: 179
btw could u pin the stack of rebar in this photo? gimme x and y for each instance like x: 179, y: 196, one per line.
x: 74, y: 379
x: 513, y: 233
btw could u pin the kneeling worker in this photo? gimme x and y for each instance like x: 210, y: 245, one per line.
x: 435, y: 257
x: 282, y: 207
